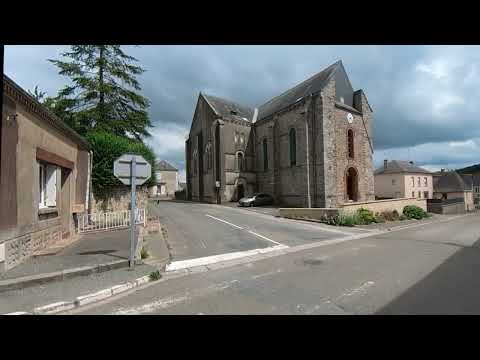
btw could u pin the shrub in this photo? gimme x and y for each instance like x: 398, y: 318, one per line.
x: 402, y: 218
x: 347, y: 220
x: 389, y: 215
x: 380, y: 217
x: 154, y: 275
x: 365, y: 216
x: 144, y: 253
x: 414, y: 212
x: 107, y: 148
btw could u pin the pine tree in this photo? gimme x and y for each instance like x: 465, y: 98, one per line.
x: 103, y: 94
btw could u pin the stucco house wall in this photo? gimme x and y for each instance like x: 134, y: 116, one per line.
x: 31, y: 134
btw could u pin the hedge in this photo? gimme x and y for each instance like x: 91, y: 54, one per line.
x: 106, y: 149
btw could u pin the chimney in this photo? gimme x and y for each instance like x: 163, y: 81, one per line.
x: 385, y: 162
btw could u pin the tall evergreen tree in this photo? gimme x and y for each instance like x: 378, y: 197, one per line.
x: 103, y: 94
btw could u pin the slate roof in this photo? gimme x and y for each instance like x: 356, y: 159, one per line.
x: 452, y: 181
x: 44, y: 113
x: 474, y: 170
x: 291, y: 96
x: 162, y: 165
x: 225, y: 107
x: 400, y: 166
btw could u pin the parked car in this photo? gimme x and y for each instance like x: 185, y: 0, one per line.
x: 256, y: 199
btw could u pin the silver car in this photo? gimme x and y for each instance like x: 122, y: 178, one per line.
x: 256, y: 200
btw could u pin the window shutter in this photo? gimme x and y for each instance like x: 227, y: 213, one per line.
x: 51, y: 184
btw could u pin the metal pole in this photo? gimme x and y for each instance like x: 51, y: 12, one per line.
x: 132, y: 212
x: 308, y: 164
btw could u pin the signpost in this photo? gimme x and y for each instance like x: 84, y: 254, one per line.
x: 132, y: 170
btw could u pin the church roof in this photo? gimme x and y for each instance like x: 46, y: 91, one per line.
x: 229, y: 109
x: 291, y: 96
x: 162, y: 165
x: 474, y: 170
x: 400, y: 166
x: 452, y: 181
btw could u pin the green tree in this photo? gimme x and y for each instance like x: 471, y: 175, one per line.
x: 103, y: 94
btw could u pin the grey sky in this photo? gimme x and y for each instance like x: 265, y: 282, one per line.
x: 425, y: 98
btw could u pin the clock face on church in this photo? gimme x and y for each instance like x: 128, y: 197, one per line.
x: 349, y: 118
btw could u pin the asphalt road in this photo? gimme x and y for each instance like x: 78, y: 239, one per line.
x: 428, y: 269
x: 197, y: 230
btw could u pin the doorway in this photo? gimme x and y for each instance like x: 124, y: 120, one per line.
x: 352, y: 185
x: 240, y: 191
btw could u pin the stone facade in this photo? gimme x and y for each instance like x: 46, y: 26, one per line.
x: 118, y: 199
x: 326, y: 171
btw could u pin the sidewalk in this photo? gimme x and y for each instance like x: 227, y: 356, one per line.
x: 91, y: 249
x: 86, y: 262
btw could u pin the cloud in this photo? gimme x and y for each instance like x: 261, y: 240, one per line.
x: 424, y: 98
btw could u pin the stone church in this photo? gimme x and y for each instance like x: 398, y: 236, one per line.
x: 310, y: 146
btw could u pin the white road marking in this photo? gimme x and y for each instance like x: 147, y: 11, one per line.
x: 207, y: 260
x: 267, y: 274
x: 224, y: 221
x: 361, y: 288
x: 263, y: 237
x: 173, y: 300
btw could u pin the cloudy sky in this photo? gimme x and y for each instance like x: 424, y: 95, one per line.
x: 425, y: 98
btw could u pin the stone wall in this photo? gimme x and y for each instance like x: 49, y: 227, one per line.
x: 18, y: 249
x: 307, y: 213
x: 119, y: 199
x: 384, y: 205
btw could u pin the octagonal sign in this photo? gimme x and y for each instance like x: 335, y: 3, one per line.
x: 122, y: 169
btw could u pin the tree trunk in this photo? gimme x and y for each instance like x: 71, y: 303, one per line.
x: 100, y: 83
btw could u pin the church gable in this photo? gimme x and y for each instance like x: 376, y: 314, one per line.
x: 343, y: 87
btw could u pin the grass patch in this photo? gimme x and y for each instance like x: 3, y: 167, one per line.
x: 154, y: 275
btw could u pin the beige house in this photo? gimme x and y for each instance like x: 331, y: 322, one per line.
x: 167, y: 179
x: 44, y: 177
x: 402, y: 179
x: 474, y: 170
x: 450, y: 185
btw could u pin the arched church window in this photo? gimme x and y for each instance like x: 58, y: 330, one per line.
x: 195, y: 162
x: 240, y: 161
x: 293, y: 147
x: 265, y: 155
x: 350, y: 142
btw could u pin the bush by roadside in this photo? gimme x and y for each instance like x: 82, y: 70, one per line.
x: 414, y: 212
x: 365, y: 217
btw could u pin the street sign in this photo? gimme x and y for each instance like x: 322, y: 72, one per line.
x: 122, y: 168
x: 132, y: 170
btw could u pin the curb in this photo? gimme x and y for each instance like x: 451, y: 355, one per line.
x: 79, y: 301
x: 31, y: 280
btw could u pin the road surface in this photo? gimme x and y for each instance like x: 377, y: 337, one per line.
x: 428, y: 269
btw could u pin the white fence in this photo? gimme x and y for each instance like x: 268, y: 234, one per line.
x: 109, y: 220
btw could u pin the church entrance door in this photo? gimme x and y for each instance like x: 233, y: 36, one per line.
x: 352, y: 184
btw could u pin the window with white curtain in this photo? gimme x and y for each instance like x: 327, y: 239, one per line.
x: 47, y: 183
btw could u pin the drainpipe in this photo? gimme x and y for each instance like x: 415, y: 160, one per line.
x: 308, y: 163
x: 88, y: 195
